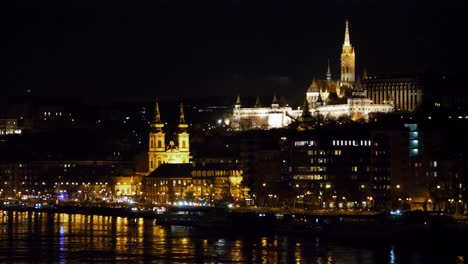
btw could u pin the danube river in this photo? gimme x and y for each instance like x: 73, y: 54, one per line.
x: 34, y: 237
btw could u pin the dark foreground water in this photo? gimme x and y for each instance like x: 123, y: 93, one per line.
x: 61, y: 238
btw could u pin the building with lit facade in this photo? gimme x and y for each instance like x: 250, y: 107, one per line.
x: 173, y: 177
x: 177, y: 150
x: 327, y: 98
x: 330, y: 168
x: 84, y: 180
x: 9, y: 126
x: 406, y: 94
x: 203, y: 184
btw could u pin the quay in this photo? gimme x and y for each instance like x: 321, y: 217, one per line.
x: 334, y: 224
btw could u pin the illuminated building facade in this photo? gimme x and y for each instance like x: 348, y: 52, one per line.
x: 171, y: 183
x: 258, y: 117
x: 329, y: 168
x: 176, y: 151
x: 9, y: 126
x: 327, y: 98
x: 74, y: 179
x: 406, y: 94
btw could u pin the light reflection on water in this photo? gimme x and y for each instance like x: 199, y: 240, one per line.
x: 64, y: 238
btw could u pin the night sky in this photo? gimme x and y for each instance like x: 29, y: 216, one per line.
x: 125, y: 50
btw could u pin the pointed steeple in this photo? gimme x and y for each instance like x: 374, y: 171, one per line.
x: 157, y: 116
x: 358, y: 90
x: 257, y: 102
x: 346, y: 38
x: 348, y: 62
x: 275, y: 103
x: 328, y: 71
x: 182, y: 115
x: 275, y: 100
x: 238, y: 101
x: 182, y: 124
x: 237, y: 105
x: 358, y: 86
x: 157, y: 124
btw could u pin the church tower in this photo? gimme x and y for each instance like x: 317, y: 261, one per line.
x: 347, y: 60
x: 238, y: 102
x: 183, y: 136
x: 158, y: 151
x: 157, y: 144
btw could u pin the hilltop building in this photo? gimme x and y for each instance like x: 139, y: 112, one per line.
x: 326, y: 98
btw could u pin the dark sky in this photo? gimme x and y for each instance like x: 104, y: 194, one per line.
x: 127, y: 50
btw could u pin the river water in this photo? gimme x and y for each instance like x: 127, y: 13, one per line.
x: 33, y: 237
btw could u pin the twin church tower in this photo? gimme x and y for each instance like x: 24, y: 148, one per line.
x: 176, y: 151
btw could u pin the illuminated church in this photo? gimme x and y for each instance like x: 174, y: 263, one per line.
x: 327, y: 98
x: 178, y: 148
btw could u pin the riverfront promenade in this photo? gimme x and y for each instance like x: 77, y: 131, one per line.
x: 408, y: 226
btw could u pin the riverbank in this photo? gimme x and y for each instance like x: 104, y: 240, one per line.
x: 411, y: 226
x: 86, y: 210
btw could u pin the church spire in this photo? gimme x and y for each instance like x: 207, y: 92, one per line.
x: 257, y: 102
x: 182, y: 115
x: 157, y: 116
x: 346, y: 38
x: 275, y: 100
x: 348, y: 65
x: 157, y: 124
x: 275, y: 103
x: 238, y: 101
x: 328, y: 71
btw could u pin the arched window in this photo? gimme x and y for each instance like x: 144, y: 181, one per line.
x: 159, y: 144
x: 151, y: 144
x: 151, y: 163
x: 183, y: 144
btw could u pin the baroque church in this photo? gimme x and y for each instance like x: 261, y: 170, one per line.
x: 163, y: 149
x: 327, y: 98
x: 172, y: 178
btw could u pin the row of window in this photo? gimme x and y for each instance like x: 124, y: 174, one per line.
x: 202, y: 173
x: 310, y: 177
x: 159, y: 145
x: 354, y: 143
x: 310, y: 168
x: 305, y: 143
x: 336, y: 152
